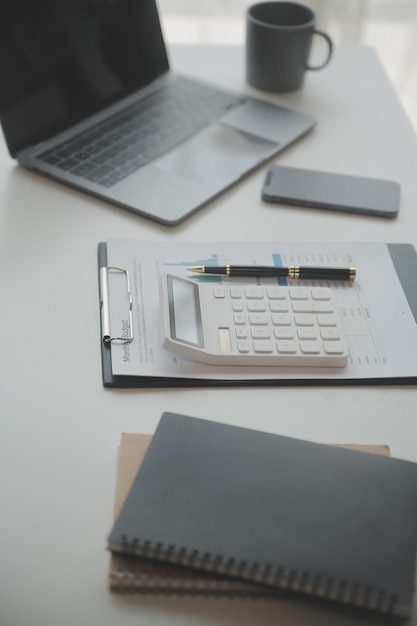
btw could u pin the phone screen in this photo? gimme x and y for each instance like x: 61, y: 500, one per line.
x: 338, y: 192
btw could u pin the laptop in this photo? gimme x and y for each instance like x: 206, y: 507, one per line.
x: 87, y: 98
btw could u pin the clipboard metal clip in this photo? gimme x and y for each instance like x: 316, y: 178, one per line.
x: 105, y: 306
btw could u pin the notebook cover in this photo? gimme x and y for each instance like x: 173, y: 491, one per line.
x: 277, y: 511
x: 139, y: 575
x: 404, y: 258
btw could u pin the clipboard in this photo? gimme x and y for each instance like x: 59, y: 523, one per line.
x: 404, y: 259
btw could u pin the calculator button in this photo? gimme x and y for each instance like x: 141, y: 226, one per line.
x: 278, y: 307
x: 321, y: 293
x: 333, y: 347
x: 329, y: 334
x: 254, y: 293
x: 276, y: 293
x: 219, y: 292
x: 304, y: 320
x: 263, y: 347
x: 256, y: 306
x: 239, y: 318
x: 312, y: 307
x: 237, y: 306
x: 307, y: 333
x: 280, y: 319
x: 241, y: 332
x: 310, y: 347
x: 258, y: 319
x: 283, y: 333
x: 287, y: 347
x: 235, y: 292
x: 297, y: 293
x: 224, y: 340
x: 260, y: 333
x: 326, y: 320
x: 242, y: 346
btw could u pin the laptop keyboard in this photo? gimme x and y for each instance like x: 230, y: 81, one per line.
x: 118, y: 146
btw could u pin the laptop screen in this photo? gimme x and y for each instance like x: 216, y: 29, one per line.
x: 62, y: 60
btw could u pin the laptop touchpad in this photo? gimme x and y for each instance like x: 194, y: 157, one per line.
x: 219, y: 155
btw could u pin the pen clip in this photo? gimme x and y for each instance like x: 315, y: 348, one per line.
x: 105, y: 306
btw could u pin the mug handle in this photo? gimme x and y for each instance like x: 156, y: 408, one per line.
x: 329, y: 52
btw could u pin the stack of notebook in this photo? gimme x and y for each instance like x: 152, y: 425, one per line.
x: 219, y: 509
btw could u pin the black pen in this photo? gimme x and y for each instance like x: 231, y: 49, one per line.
x: 293, y: 272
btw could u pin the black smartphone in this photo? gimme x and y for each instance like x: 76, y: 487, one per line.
x: 337, y: 192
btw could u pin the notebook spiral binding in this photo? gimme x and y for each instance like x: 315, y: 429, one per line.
x: 276, y: 579
x: 169, y: 582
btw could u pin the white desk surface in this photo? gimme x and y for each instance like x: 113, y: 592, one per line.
x: 60, y: 429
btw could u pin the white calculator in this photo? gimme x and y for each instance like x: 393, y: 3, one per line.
x: 251, y: 324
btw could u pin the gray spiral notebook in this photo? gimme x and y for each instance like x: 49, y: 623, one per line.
x: 280, y: 512
x: 137, y: 575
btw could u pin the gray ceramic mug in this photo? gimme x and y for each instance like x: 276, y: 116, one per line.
x: 279, y: 37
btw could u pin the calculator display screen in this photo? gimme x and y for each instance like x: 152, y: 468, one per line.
x: 184, y: 312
